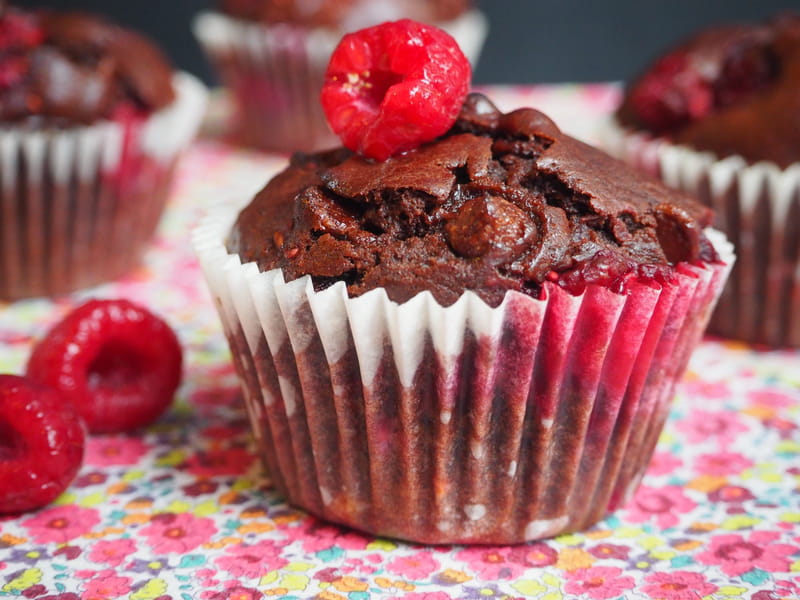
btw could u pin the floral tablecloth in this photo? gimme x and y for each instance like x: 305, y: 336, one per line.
x: 185, y: 511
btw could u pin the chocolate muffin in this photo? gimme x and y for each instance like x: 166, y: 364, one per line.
x: 730, y: 90
x: 67, y: 69
x: 475, y: 341
x: 344, y: 15
x: 93, y: 119
x: 271, y: 56
x: 719, y: 117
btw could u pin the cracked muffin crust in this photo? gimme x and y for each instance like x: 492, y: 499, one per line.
x: 502, y: 202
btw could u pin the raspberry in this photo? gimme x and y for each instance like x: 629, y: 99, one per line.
x: 746, y: 70
x: 687, y: 85
x: 391, y: 87
x: 41, y: 444
x: 18, y: 33
x: 115, y: 361
x: 671, y: 94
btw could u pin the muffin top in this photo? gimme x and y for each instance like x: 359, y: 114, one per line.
x: 731, y: 90
x: 67, y: 68
x: 500, y: 202
x: 344, y: 15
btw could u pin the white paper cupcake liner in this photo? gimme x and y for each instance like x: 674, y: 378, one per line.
x: 78, y: 205
x: 466, y: 423
x: 757, y: 206
x: 275, y: 73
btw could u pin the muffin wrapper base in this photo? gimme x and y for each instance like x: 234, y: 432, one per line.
x: 757, y: 206
x: 275, y: 74
x: 464, y: 424
x: 78, y: 205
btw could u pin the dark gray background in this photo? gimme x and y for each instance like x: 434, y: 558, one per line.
x: 530, y: 41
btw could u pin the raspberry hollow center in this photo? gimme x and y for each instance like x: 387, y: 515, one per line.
x: 116, y: 365
x: 10, y: 443
x: 371, y: 87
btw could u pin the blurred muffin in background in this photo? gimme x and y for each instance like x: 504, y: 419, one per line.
x: 92, y: 121
x: 719, y: 116
x: 271, y: 55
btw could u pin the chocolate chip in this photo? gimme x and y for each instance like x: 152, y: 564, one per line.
x: 490, y: 227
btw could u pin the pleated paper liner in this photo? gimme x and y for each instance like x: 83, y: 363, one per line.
x: 79, y: 205
x: 757, y: 206
x: 460, y: 424
x: 275, y: 73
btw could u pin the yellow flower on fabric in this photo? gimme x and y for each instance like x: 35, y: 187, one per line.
x: 269, y: 578
x: 739, y: 522
x: 551, y: 580
x: 629, y: 532
x: 650, y: 542
x: 241, y: 485
x: 528, y: 587
x: 731, y: 590
x: 171, y: 459
x: 178, y: 507
x: 209, y: 507
x: 298, y: 566
x: 569, y: 539
x: 150, y: 590
x: 788, y: 447
x: 65, y: 498
x: 382, y: 545
x: 92, y: 500
x: 134, y: 475
x: 666, y: 437
x: 767, y: 472
x: 294, y: 581
x: 28, y: 578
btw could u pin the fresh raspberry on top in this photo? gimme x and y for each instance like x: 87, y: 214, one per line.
x: 118, y: 363
x: 394, y: 86
x: 41, y: 444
